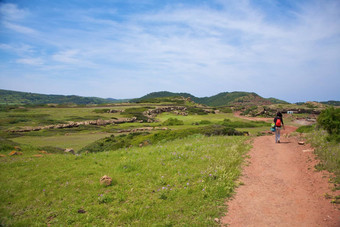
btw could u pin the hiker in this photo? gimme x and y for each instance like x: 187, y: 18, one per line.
x: 278, y: 123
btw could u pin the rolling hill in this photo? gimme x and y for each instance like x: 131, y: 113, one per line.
x: 23, y: 98
x: 221, y: 99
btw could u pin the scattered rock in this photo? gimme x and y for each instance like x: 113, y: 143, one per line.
x: 69, y: 150
x: 217, y: 220
x: 301, y: 143
x: 81, y: 211
x: 15, y: 153
x: 106, y: 180
x: 17, y: 148
x: 2, y: 155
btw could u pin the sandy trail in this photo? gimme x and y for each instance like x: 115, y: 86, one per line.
x: 281, y: 188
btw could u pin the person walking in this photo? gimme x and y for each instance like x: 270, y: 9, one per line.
x: 278, y: 124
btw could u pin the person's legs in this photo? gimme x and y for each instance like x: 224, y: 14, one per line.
x: 278, y: 134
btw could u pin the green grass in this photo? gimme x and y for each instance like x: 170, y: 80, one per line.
x: 328, y: 153
x: 306, y: 128
x: 45, y: 116
x: 75, y: 141
x: 183, y: 182
x: 190, y: 119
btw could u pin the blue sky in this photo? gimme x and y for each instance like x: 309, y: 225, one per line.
x: 128, y: 48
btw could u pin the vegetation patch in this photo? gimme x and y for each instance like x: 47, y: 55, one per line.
x: 329, y: 119
x: 101, y: 110
x: 196, y: 110
x: 325, y: 140
x: 181, y: 183
x: 135, y: 112
x: 172, y: 121
x: 142, y: 139
x: 7, y: 145
x: 244, y: 124
x: 306, y: 128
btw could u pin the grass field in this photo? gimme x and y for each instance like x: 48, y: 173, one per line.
x: 183, y: 182
x: 75, y: 141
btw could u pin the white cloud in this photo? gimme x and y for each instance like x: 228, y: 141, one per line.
x: 18, y: 28
x: 234, y: 47
x: 31, y: 61
x: 10, y: 12
x: 68, y: 56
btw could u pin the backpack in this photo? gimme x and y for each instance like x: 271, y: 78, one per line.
x: 278, y: 122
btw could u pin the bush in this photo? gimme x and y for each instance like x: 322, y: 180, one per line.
x: 329, y: 119
x: 172, y: 121
x: 195, y: 110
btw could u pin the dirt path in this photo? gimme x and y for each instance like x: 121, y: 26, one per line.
x: 281, y: 188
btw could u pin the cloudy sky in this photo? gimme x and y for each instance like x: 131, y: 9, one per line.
x: 287, y: 49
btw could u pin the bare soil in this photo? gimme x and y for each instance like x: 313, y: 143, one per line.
x: 281, y: 187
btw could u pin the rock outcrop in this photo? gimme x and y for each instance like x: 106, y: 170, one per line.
x: 179, y: 110
x: 144, y: 129
x: 72, y: 124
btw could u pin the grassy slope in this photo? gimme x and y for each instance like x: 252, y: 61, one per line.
x: 74, y: 140
x: 183, y: 182
x: 221, y: 99
x: 15, y: 97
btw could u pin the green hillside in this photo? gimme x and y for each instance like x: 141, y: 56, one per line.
x: 277, y: 101
x: 163, y: 94
x: 221, y: 99
x: 332, y: 103
x: 20, y: 98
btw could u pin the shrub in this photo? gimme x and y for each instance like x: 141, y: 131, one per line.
x: 172, y: 121
x: 329, y: 119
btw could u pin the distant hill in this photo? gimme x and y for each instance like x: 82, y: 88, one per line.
x: 221, y: 99
x: 332, y: 103
x: 163, y: 94
x: 22, y: 98
x: 277, y: 101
